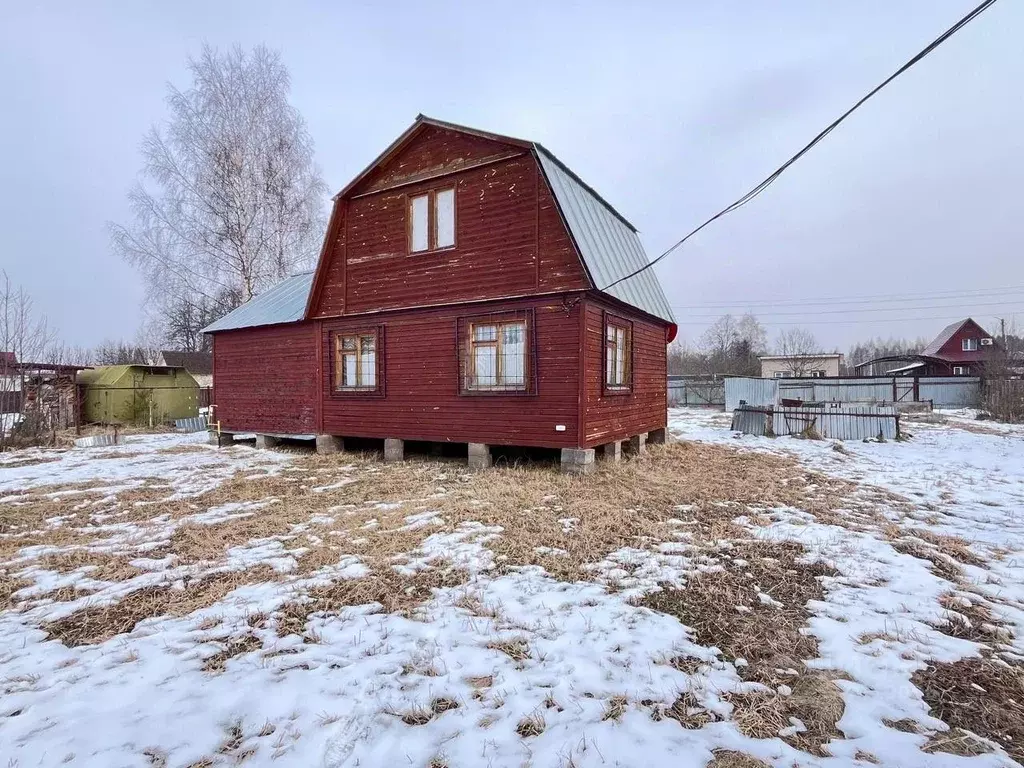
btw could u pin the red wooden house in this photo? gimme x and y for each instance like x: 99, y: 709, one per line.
x: 463, y: 295
x: 960, y: 349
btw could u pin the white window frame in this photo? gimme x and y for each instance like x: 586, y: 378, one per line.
x: 419, y: 225
x: 445, y: 217
x: 969, y: 345
x: 779, y: 375
x: 961, y: 370
x: 437, y: 235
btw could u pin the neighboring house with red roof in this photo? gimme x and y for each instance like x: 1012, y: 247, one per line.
x: 960, y: 349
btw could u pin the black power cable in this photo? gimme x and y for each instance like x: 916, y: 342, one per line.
x: 782, y: 168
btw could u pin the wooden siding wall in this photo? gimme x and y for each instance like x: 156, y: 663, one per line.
x: 510, y: 239
x: 265, y: 379
x: 433, y: 151
x: 616, y: 416
x: 422, y: 399
x: 953, y: 350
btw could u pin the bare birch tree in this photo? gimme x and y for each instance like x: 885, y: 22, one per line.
x: 230, y: 200
x: 801, y: 349
x: 25, y: 337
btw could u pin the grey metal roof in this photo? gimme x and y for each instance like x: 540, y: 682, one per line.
x: 284, y: 303
x: 944, y: 335
x: 609, y: 245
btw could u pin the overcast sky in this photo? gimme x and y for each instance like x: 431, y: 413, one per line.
x: 671, y: 110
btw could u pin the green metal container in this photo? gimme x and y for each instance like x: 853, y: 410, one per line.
x: 138, y: 394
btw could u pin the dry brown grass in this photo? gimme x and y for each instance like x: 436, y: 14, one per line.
x: 904, y: 725
x: 943, y: 565
x: 193, y: 543
x: 726, y: 758
x: 186, y: 448
x: 517, y: 649
x: 767, y: 637
x: 65, y: 594
x: 8, y: 586
x: 983, y: 696
x: 531, y: 725
x: 394, y: 592
x: 815, y: 700
x: 958, y: 742
x: 622, y: 505
x: 235, y: 646
x: 104, y: 566
x: 28, y: 461
x: 423, y: 715
x: 687, y: 711
x: 96, y: 624
x: 32, y: 512
x: 973, y: 622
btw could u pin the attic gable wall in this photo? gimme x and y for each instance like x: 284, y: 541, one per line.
x: 510, y: 238
x: 430, y: 152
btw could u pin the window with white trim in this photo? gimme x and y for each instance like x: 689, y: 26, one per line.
x: 419, y: 207
x: 356, y: 362
x: 780, y: 374
x: 496, y: 358
x: 432, y: 220
x: 969, y: 345
x: 961, y: 370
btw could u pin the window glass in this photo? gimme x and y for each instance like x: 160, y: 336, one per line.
x: 485, y: 360
x: 444, y: 217
x: 355, y: 363
x: 485, y: 332
x: 419, y: 227
x: 620, y: 356
x: 513, y: 354
x: 497, y: 356
x: 617, y: 354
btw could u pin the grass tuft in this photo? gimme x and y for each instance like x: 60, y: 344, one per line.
x: 984, y: 696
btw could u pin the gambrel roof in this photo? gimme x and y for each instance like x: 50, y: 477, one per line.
x: 609, y: 245
x: 607, y: 242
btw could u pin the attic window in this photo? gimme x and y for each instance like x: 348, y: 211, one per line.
x: 432, y: 220
x: 969, y: 345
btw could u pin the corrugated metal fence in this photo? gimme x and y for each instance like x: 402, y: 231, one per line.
x: 688, y: 391
x: 951, y: 391
x: 830, y: 421
x: 751, y: 392
x: 941, y: 391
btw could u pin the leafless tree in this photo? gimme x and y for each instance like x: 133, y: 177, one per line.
x: 732, y: 346
x: 25, y: 337
x: 123, y: 353
x: 230, y: 200
x: 800, y: 348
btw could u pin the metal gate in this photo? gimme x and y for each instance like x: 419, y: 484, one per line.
x: 904, y: 389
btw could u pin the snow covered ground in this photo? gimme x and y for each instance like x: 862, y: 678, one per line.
x: 264, y: 653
